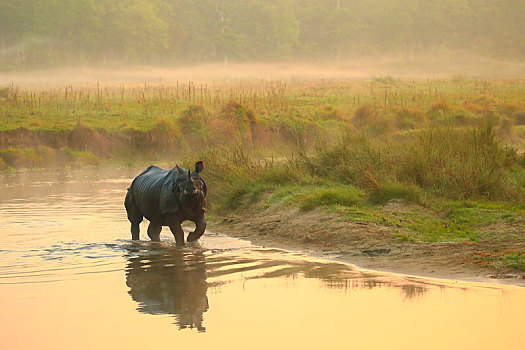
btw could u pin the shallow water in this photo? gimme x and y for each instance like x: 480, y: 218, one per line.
x: 71, y: 278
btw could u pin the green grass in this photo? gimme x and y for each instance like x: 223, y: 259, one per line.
x: 502, y: 260
x: 515, y: 260
x: 401, y: 208
x: 115, y: 108
x: 412, y: 223
x: 242, y: 195
x: 438, y: 221
x: 346, y: 196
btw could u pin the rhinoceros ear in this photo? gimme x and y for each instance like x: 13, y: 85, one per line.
x: 199, y: 166
x: 179, y: 169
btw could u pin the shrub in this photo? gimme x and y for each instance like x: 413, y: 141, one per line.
x: 331, y: 113
x: 407, y: 118
x: 163, y: 125
x: 367, y: 119
x: 364, y: 115
x: 244, y: 120
x: 165, y: 137
x: 457, y: 163
x: 354, y: 160
x: 83, y: 138
x: 438, y: 109
x: 195, y: 121
x: 226, y: 165
x: 294, y: 129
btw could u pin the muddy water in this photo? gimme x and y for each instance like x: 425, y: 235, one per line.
x: 70, y: 278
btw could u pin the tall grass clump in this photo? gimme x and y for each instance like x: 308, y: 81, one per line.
x: 458, y: 163
x: 228, y: 165
x: 368, y: 119
x: 194, y: 124
x: 239, y: 178
x: 330, y: 113
x: 438, y: 109
x: 409, y: 118
x: 355, y: 159
x: 241, y: 120
x: 291, y: 129
x: 286, y: 171
x: 166, y: 136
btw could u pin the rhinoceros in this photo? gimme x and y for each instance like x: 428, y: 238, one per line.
x: 167, y: 198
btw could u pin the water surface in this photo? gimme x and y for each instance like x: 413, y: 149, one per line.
x: 71, y: 278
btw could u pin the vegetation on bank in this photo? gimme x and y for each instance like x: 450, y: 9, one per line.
x: 372, y: 185
x: 436, y: 161
x: 44, y: 157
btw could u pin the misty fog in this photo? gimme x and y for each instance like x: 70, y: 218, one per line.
x: 221, y: 39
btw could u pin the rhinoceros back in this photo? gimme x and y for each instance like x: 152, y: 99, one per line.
x: 147, y: 189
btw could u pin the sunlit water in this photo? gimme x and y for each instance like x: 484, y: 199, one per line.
x: 70, y: 278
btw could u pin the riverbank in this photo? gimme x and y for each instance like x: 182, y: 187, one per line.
x: 375, y: 246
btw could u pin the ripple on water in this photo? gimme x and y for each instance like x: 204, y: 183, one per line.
x: 65, y: 260
x: 58, y: 262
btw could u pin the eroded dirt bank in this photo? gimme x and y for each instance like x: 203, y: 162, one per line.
x: 372, y: 246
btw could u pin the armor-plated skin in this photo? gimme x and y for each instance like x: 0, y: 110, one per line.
x: 167, y: 198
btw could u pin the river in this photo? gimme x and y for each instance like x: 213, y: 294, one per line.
x: 71, y: 278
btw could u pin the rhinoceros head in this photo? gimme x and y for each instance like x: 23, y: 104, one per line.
x: 190, y: 186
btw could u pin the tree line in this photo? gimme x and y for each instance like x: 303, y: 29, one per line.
x: 44, y: 33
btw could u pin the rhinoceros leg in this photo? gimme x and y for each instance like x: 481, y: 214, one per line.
x: 135, y: 231
x: 154, y: 231
x: 200, y: 227
x: 134, y: 216
x: 178, y: 233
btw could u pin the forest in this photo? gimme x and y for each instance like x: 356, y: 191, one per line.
x: 52, y: 33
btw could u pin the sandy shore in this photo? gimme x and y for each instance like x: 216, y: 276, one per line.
x: 369, y: 245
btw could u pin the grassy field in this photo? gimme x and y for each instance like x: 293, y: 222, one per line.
x: 381, y: 105
x: 432, y: 161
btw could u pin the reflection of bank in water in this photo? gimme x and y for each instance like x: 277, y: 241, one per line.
x: 170, y: 281
x: 263, y: 263
x: 175, y: 281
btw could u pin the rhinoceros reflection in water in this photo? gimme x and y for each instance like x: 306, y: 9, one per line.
x: 170, y: 282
